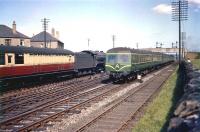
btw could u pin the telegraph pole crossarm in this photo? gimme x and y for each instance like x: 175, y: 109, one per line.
x: 113, y: 38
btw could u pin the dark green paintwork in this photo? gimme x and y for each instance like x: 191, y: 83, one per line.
x: 135, y: 62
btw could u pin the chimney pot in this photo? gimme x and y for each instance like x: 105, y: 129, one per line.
x: 53, y: 32
x: 14, y: 27
x: 57, y: 34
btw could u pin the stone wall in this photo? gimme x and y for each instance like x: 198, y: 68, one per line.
x: 41, y: 44
x: 16, y: 41
x: 187, y: 114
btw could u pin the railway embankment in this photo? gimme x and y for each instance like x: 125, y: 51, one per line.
x: 196, y: 63
x: 156, y: 115
x: 186, y: 116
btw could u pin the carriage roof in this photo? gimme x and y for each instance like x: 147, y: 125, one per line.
x: 33, y: 50
x: 129, y: 50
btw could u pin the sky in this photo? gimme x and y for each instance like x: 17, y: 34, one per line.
x: 132, y: 22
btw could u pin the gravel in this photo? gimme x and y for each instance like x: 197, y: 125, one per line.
x: 74, y: 121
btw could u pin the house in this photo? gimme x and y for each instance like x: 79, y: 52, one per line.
x: 10, y: 36
x: 51, y: 41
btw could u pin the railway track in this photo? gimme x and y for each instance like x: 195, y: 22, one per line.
x: 33, y: 119
x: 21, y: 104
x: 12, y: 95
x: 115, y: 116
x: 40, y: 117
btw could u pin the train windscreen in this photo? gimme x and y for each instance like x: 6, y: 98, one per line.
x: 112, y: 59
x: 120, y: 58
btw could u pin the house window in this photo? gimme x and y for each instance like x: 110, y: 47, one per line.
x: 60, y: 46
x: 21, y: 42
x: 2, y: 59
x: 48, y: 45
x: 9, y: 58
x: 7, y: 41
x: 19, y: 59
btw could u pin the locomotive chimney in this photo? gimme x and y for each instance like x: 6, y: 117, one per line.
x: 53, y: 32
x: 14, y: 27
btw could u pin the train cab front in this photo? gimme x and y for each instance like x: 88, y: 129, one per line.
x: 118, y: 65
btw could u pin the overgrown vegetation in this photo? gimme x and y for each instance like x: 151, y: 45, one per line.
x: 157, y: 115
x: 198, y: 56
x: 196, y: 63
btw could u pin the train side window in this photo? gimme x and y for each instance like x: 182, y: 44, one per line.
x: 19, y: 59
x: 70, y: 57
x: 9, y: 58
x: 133, y: 58
x: 137, y: 58
x: 2, y: 59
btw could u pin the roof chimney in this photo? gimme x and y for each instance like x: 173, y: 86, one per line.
x: 57, y: 34
x: 14, y: 27
x: 53, y: 32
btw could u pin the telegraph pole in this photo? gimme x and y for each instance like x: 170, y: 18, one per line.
x: 161, y: 44
x: 183, y: 43
x: 176, y: 44
x: 45, y: 28
x: 156, y: 44
x: 176, y: 52
x: 113, y: 39
x: 180, y: 13
x: 88, y: 43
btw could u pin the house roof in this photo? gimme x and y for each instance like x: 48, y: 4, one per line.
x: 7, y: 32
x: 33, y: 50
x: 40, y: 37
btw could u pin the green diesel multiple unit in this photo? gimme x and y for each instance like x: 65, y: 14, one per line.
x: 123, y: 62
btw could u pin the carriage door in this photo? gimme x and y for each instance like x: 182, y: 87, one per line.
x: 10, y: 58
x: 2, y: 58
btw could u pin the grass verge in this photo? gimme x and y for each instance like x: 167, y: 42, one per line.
x: 158, y: 113
x: 196, y: 63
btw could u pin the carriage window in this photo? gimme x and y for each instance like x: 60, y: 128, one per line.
x: 19, y: 59
x: 70, y: 57
x: 2, y: 59
x: 9, y: 58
